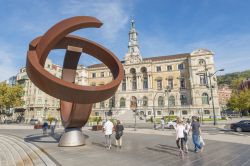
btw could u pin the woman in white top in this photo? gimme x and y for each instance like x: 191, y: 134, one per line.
x: 180, y: 129
x: 187, y: 125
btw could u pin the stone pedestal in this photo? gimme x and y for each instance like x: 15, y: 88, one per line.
x: 72, y: 137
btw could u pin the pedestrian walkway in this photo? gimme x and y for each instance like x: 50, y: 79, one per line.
x: 16, y: 152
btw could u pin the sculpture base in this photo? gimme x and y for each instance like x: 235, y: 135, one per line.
x: 72, y: 137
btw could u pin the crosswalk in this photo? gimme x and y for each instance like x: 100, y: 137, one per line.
x: 16, y: 152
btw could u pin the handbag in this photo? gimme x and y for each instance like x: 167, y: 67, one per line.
x: 202, y: 141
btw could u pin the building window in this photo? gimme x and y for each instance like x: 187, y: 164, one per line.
x: 93, y: 75
x: 184, y: 112
x: 122, y: 102
x: 96, y: 113
x: 93, y: 84
x: 169, y: 68
x: 158, y: 112
x: 182, y: 83
x: 183, y: 100
x: 203, y: 79
x: 112, y: 102
x: 124, y: 85
x: 171, y: 112
x: 181, y: 66
x: 145, y: 101
x: 159, y: 84
x: 171, y: 101
x: 170, y: 83
x: 134, y: 82
x: 158, y: 68
x: 160, y: 101
x: 145, y: 83
x: 102, y: 74
x: 205, y: 99
x: 206, y: 112
x: 202, y: 62
x: 149, y: 112
x: 102, y: 104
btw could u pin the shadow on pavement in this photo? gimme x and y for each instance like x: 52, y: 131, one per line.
x: 41, y: 138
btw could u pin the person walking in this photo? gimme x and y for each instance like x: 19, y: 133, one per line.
x: 108, y: 130
x: 45, y: 127
x: 118, y: 134
x: 53, y: 126
x: 187, y: 125
x: 196, y: 132
x: 162, y: 123
x: 180, y: 128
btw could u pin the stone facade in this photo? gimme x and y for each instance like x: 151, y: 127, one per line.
x: 165, y: 85
x: 224, y: 93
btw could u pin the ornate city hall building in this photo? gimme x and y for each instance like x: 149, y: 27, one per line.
x: 179, y: 85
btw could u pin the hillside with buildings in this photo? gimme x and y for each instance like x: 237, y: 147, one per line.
x: 231, y: 78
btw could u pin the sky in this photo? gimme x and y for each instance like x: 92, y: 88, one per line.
x: 165, y: 27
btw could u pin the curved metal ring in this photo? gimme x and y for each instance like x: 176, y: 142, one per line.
x: 74, y: 97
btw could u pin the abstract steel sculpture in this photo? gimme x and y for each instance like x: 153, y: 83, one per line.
x: 75, y: 100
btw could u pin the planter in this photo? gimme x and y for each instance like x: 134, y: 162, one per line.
x: 97, y: 127
x: 39, y: 126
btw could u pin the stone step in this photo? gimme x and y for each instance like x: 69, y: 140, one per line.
x: 14, y: 151
x: 23, y: 154
x: 36, y: 156
x: 9, y: 160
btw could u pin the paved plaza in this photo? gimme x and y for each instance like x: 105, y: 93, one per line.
x: 145, y: 147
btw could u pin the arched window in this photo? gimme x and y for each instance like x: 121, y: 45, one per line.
x: 161, y: 101
x: 144, y: 101
x: 134, y: 83
x: 144, y: 77
x: 171, y: 101
x: 206, y: 112
x: 202, y: 62
x: 205, y: 99
x: 183, y: 100
x: 122, y: 102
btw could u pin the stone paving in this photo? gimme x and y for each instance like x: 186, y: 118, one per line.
x: 142, y: 147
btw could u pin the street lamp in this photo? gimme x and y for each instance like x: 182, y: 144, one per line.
x: 211, y: 90
x: 209, y: 75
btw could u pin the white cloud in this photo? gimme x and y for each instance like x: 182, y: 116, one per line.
x: 7, y: 67
x: 114, y: 14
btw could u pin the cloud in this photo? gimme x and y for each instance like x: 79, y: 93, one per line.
x: 7, y: 66
x: 114, y: 14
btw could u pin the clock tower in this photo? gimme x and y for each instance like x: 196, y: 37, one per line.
x: 133, y: 55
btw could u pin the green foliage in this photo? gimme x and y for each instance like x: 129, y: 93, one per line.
x: 96, y: 119
x: 240, y: 101
x: 10, y: 96
x: 233, y: 79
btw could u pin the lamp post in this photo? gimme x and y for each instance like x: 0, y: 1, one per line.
x: 209, y: 75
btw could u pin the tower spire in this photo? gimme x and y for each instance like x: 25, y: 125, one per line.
x: 133, y: 54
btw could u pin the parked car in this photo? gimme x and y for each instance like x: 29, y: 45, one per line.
x: 34, y: 121
x: 243, y: 125
x: 171, y: 124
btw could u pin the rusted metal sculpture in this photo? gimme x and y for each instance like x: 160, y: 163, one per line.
x: 75, y: 100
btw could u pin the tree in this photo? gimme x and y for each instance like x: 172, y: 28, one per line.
x: 240, y: 101
x: 10, y: 96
